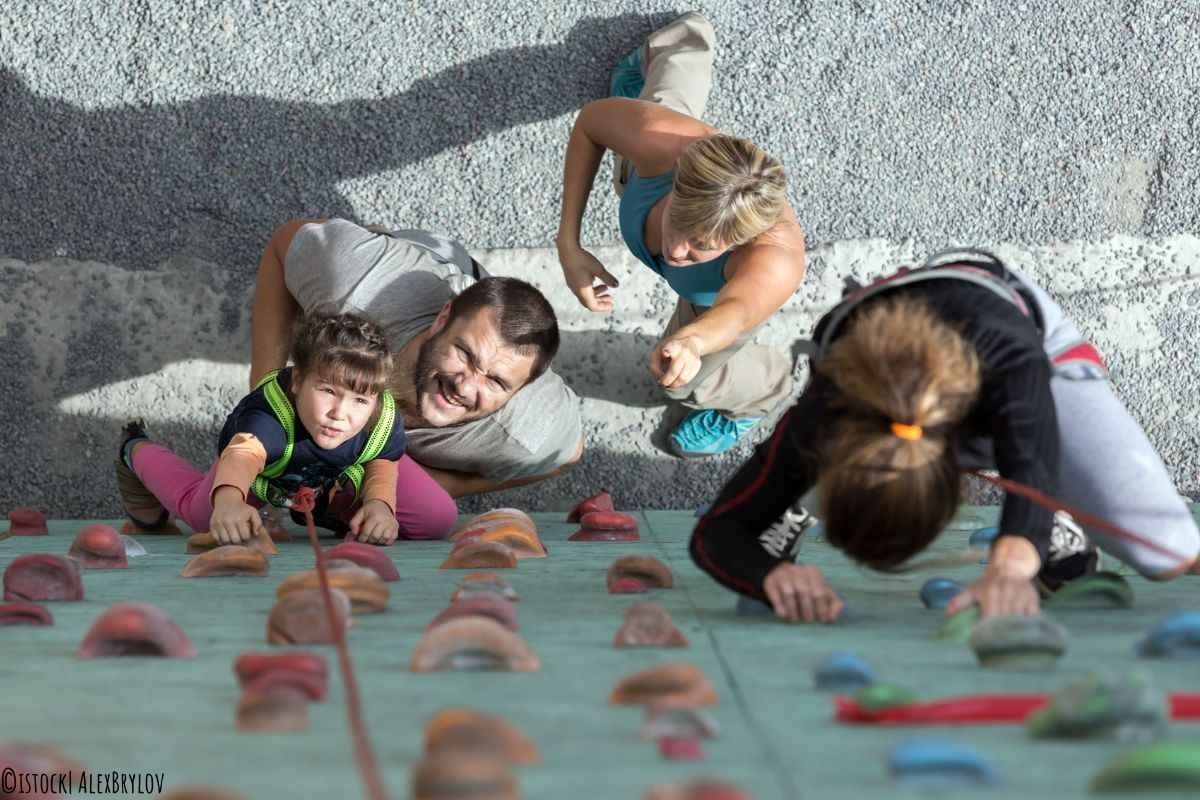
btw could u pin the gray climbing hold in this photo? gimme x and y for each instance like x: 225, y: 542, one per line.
x: 939, y: 763
x: 938, y: 592
x: 843, y: 672
x: 1130, y: 709
x: 1176, y: 636
x: 1031, y: 643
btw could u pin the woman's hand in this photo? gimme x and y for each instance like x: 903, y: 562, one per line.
x: 1006, y: 586
x: 999, y: 595
x: 675, y: 360
x: 799, y: 592
x: 582, y: 270
x: 233, y: 520
x: 374, y: 523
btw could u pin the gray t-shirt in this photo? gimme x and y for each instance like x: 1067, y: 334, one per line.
x: 402, y: 280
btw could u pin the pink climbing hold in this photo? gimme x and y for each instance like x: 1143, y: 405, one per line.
x: 370, y: 556
x: 681, y: 749
x: 38, y: 577
x: 99, y: 547
x: 135, y: 629
x: 25, y: 521
x: 303, y: 670
x: 24, y: 614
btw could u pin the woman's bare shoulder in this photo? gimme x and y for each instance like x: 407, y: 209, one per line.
x: 649, y: 135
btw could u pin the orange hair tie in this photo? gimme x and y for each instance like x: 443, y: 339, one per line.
x: 909, y: 433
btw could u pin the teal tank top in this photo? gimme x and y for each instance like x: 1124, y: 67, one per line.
x: 698, y: 283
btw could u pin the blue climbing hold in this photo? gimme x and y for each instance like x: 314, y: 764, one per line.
x: 1176, y: 636
x: 939, y: 763
x: 843, y: 672
x: 983, y: 537
x: 749, y: 607
x: 938, y: 592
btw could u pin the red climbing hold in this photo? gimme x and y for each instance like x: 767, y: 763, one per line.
x: 99, y: 547
x: 39, y: 577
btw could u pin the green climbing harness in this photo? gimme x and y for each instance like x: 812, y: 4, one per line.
x: 282, y: 408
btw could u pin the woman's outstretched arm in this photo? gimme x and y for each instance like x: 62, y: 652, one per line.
x: 650, y: 137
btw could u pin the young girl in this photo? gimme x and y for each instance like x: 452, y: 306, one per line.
x: 962, y: 364
x: 327, y: 422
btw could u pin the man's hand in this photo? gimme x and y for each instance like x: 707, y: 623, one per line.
x: 1006, y: 586
x: 799, y: 592
x: 233, y: 521
x: 582, y: 270
x: 374, y: 523
x: 675, y: 360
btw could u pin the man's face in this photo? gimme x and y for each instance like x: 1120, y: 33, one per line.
x: 465, y: 371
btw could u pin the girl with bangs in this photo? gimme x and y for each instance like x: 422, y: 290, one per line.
x: 328, y: 422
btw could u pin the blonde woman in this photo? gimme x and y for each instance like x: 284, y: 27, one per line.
x: 706, y: 211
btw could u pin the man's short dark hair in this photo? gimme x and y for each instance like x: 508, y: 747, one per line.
x: 525, y: 317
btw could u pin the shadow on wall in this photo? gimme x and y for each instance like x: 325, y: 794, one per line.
x: 214, y: 176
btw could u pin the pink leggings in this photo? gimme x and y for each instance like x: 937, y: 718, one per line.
x: 423, y: 508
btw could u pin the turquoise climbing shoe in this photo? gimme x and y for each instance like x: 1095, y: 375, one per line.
x: 627, y: 80
x: 706, y: 432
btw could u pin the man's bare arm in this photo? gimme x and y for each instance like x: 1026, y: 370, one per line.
x: 274, y: 310
x: 460, y: 484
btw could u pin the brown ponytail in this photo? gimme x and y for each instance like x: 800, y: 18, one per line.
x: 887, y: 492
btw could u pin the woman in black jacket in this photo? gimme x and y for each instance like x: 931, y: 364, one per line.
x: 962, y: 364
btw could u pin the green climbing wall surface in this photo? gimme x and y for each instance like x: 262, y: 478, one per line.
x: 777, y: 739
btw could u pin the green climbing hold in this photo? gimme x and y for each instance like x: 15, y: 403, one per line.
x: 1105, y: 587
x: 880, y: 696
x: 957, y: 628
x: 1129, y: 708
x: 1168, y: 765
x: 1032, y: 643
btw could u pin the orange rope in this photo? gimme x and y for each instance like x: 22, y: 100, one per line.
x: 304, y: 501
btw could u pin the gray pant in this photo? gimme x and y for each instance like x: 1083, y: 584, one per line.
x: 1108, y: 467
x: 744, y: 379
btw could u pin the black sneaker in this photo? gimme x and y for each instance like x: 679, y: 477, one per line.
x: 1071, y: 556
x: 782, y: 539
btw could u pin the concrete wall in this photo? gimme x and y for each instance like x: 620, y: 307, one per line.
x: 148, y: 147
x: 87, y: 345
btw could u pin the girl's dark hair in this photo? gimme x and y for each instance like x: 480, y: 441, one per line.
x: 884, y: 498
x: 346, y: 349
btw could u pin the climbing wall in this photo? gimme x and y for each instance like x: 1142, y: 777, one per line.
x: 777, y: 736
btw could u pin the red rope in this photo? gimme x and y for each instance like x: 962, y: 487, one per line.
x: 368, y: 767
x: 1051, y: 504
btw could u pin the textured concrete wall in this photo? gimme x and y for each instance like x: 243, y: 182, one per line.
x: 147, y: 147
x: 87, y: 345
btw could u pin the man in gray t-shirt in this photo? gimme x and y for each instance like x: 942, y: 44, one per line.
x: 475, y: 422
